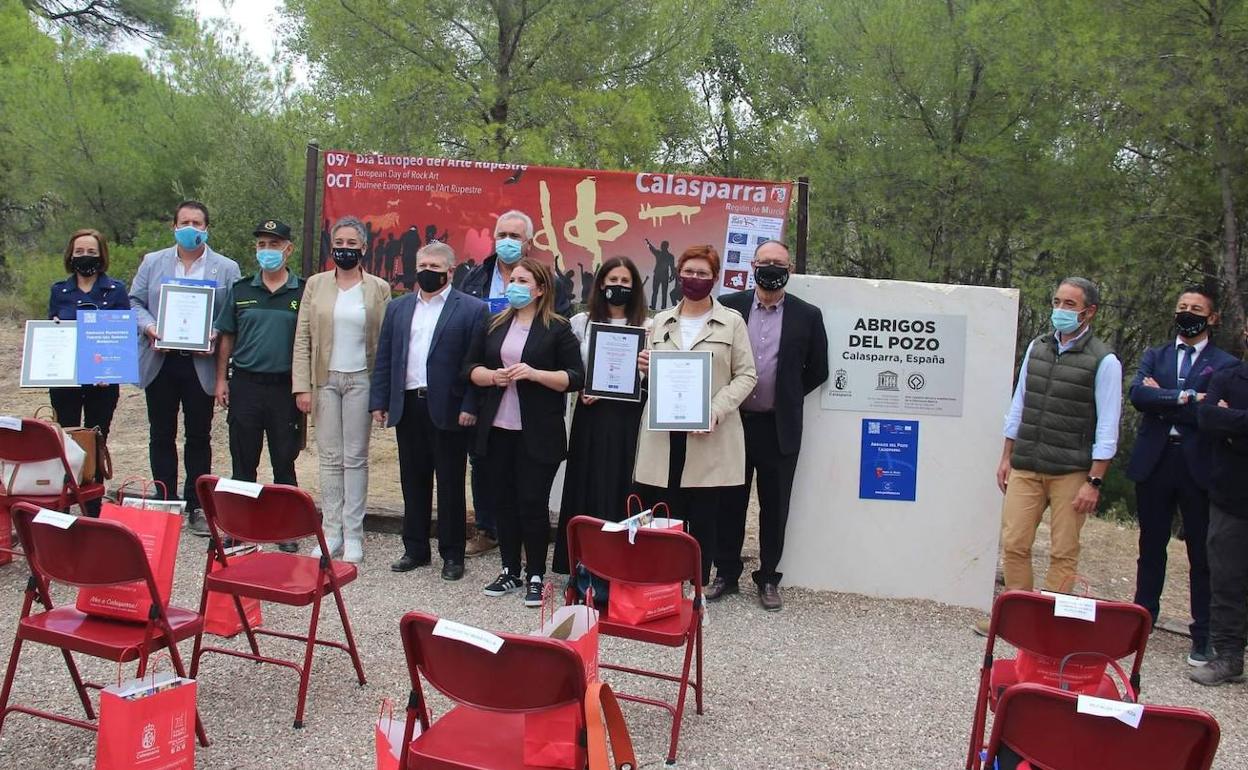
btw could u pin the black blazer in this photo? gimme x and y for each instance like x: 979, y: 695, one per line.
x: 801, y: 366
x: 542, y: 410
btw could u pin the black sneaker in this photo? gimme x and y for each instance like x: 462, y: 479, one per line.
x: 1201, y: 654
x: 504, y: 584
x: 1218, y: 671
x: 533, y: 592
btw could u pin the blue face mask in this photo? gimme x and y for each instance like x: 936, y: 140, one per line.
x: 508, y: 250
x: 1065, y: 321
x: 518, y: 295
x: 270, y: 259
x: 190, y: 238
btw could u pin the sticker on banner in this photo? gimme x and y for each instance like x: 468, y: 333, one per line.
x: 1127, y: 713
x: 55, y: 518
x: 1077, y: 607
x: 244, y: 488
x: 449, y: 629
x: 10, y: 422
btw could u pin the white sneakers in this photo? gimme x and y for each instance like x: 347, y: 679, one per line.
x: 335, y: 546
x: 353, y: 551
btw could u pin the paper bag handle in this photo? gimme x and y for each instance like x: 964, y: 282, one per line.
x: 144, y: 484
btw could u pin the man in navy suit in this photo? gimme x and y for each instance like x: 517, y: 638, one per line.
x: 1170, y: 461
x: 419, y: 388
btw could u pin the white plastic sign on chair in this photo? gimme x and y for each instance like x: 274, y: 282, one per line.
x: 235, y: 487
x: 449, y: 629
x: 1129, y: 714
x: 1077, y: 607
x: 55, y: 518
x: 10, y: 422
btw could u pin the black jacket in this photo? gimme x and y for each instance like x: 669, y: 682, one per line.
x: 1227, y: 428
x: 542, y: 410
x: 801, y: 366
x: 477, y: 283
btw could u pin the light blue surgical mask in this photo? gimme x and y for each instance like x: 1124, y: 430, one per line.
x: 518, y: 295
x: 508, y: 250
x: 190, y: 238
x: 270, y: 259
x: 1065, y: 321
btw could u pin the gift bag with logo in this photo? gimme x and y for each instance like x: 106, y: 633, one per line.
x: 388, y: 737
x: 158, y: 531
x: 220, y: 613
x: 636, y: 603
x: 551, y: 737
x: 1082, y: 676
x: 147, y: 723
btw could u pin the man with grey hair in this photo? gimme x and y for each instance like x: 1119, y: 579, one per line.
x: 419, y: 389
x: 1060, y: 435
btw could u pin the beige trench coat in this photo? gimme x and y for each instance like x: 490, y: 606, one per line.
x: 314, y: 334
x: 716, y: 459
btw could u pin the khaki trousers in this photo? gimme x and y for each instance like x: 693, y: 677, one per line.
x: 1027, y: 495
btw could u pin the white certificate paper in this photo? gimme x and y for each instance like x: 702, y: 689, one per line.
x: 680, y: 390
x: 50, y: 356
x: 185, y: 318
x: 613, y: 361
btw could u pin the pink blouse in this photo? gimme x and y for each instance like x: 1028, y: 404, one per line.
x: 508, y: 416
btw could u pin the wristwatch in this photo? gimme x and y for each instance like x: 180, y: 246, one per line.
x: 1096, y: 481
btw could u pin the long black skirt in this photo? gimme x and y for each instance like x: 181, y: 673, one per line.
x: 599, y: 473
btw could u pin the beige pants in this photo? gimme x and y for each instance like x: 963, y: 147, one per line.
x: 1027, y: 495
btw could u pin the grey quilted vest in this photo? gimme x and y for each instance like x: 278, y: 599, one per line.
x: 1059, y: 406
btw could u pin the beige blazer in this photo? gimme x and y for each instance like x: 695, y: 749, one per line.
x: 314, y: 334
x: 716, y: 459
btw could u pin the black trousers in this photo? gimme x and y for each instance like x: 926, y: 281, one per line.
x: 701, y: 507
x: 262, y: 407
x: 774, y: 472
x: 88, y: 406
x: 1228, y: 579
x: 177, y: 387
x: 519, y: 489
x: 483, y: 517
x: 1170, y: 485
x: 426, y: 453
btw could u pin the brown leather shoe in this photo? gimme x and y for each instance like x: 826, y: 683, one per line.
x: 719, y: 588
x: 769, y: 597
x: 480, y: 544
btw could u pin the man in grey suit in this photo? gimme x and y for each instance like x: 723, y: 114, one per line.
x: 175, y: 379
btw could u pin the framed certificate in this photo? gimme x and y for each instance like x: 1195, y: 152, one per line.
x: 184, y: 320
x: 50, y: 355
x: 612, y: 371
x: 680, y: 390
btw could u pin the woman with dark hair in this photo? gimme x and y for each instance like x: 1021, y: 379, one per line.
x: 603, y: 444
x: 525, y: 362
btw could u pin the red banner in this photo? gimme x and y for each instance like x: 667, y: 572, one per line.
x: 580, y: 217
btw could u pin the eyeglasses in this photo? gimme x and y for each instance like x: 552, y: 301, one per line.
x: 767, y: 263
x: 696, y: 274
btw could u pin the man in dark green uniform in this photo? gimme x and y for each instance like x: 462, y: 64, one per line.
x: 257, y: 330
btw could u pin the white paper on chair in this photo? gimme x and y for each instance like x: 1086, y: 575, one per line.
x: 245, y: 488
x: 10, y: 422
x: 55, y: 518
x: 1129, y: 714
x: 449, y: 629
x: 1077, y: 607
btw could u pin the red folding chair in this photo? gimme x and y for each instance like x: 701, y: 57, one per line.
x: 40, y: 441
x: 658, y: 556
x: 90, y: 552
x: 1041, y: 725
x: 493, y: 691
x: 280, y: 513
x: 1025, y: 619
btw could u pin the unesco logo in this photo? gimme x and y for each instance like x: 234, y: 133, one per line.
x: 915, y: 381
x: 886, y: 380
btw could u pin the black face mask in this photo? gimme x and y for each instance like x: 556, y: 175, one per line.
x: 1189, y: 324
x: 771, y: 277
x: 86, y: 266
x: 617, y: 294
x: 347, y: 259
x: 431, y: 280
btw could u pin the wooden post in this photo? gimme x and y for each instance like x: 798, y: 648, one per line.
x: 803, y: 220
x: 309, y: 210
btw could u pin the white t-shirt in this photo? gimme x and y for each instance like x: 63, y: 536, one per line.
x: 691, y: 327
x: 349, y: 352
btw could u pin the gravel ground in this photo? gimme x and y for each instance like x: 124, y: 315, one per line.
x: 833, y: 681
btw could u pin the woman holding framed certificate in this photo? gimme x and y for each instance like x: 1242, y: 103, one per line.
x: 603, y: 443
x: 525, y: 362
x: 690, y: 468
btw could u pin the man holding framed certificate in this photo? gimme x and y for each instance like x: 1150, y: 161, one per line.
x: 700, y: 368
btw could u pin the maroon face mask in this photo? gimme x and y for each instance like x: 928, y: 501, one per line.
x: 696, y: 288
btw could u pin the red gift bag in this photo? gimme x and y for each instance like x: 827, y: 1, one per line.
x: 147, y: 724
x: 636, y: 603
x: 388, y: 737
x: 1080, y: 676
x: 551, y: 736
x: 6, y: 535
x: 220, y: 614
x: 158, y: 531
